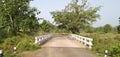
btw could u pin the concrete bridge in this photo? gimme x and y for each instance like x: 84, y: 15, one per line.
x: 62, y: 46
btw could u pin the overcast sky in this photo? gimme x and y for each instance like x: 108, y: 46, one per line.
x: 110, y: 10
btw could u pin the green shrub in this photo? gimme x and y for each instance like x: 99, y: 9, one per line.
x: 22, y: 43
x: 107, y: 28
x: 9, y: 54
x: 27, y: 44
x: 3, y: 34
x: 9, y: 43
x: 115, y: 52
x: 118, y: 28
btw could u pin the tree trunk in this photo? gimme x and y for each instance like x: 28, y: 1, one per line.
x: 13, y: 25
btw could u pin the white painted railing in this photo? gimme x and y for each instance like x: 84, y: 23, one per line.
x: 41, y: 39
x: 86, y: 41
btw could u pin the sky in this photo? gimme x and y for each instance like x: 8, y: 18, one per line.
x: 109, y: 11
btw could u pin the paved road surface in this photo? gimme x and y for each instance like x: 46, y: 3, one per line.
x: 60, y: 46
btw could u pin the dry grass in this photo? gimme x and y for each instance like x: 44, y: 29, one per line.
x: 103, y: 41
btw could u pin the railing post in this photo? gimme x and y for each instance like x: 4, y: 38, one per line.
x: 106, y: 53
x: 14, y: 49
x: 36, y: 40
x: 85, y: 42
x: 90, y: 44
x: 82, y: 40
x: 1, y: 53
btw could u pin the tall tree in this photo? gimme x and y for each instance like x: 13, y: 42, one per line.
x: 75, y: 16
x: 17, y: 14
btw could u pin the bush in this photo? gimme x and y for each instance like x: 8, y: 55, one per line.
x: 26, y: 44
x: 9, y: 54
x: 107, y: 28
x: 22, y: 43
x: 115, y: 52
x: 9, y: 43
x: 3, y: 34
x: 118, y: 28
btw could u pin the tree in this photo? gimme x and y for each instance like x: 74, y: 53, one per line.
x: 89, y: 29
x: 99, y: 29
x: 75, y: 16
x: 46, y: 26
x: 107, y: 28
x: 118, y: 28
x: 17, y: 15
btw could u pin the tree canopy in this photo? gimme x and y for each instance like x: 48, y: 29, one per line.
x: 107, y: 28
x: 17, y: 15
x: 46, y: 26
x: 75, y: 16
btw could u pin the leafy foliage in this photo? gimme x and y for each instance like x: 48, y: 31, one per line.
x: 104, y: 41
x: 99, y: 29
x: 107, y: 28
x: 46, y: 26
x: 75, y: 16
x: 118, y: 28
x: 116, y: 51
x: 17, y: 15
x: 9, y: 43
x: 23, y: 43
x: 89, y: 29
x: 26, y: 44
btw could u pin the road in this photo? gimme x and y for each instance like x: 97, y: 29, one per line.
x: 60, y: 46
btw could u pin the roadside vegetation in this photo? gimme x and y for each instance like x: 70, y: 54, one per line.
x: 105, y: 41
x: 76, y: 18
x: 19, y: 25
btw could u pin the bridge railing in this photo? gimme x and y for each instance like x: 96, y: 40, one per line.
x: 42, y: 39
x: 86, y: 41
